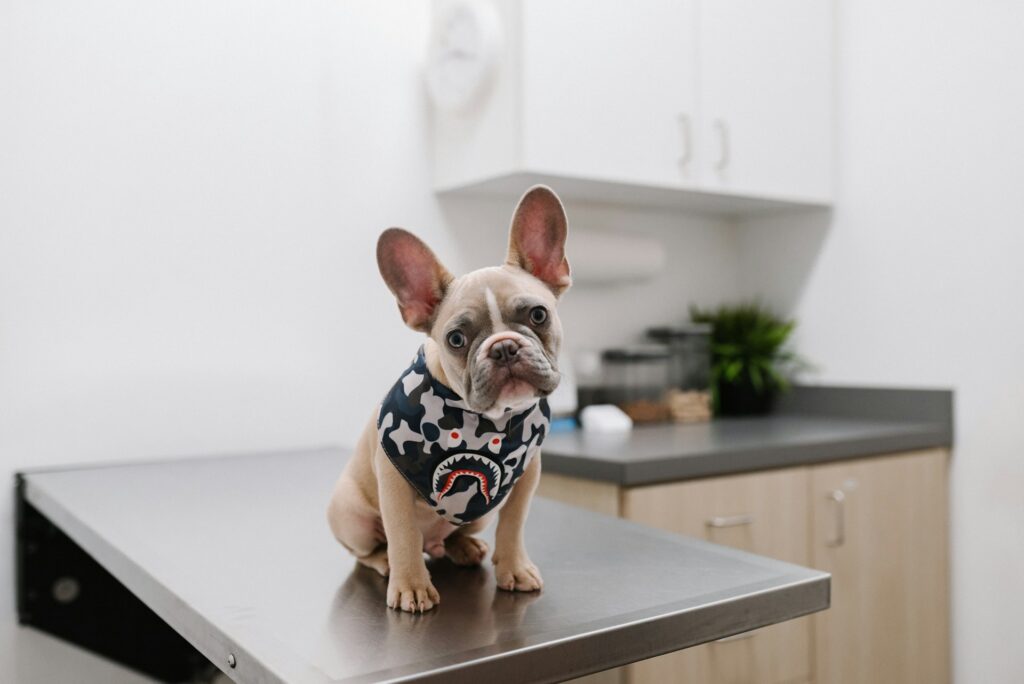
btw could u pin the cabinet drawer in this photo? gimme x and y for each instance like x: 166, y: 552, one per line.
x: 764, y: 513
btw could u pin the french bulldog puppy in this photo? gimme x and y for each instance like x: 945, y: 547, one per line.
x: 455, y: 442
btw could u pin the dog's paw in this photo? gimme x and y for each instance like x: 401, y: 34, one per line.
x: 465, y: 550
x: 412, y: 593
x: 517, y: 574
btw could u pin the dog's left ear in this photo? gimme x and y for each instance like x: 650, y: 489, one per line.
x: 537, y: 238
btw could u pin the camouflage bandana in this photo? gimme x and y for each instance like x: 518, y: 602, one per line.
x: 461, y: 462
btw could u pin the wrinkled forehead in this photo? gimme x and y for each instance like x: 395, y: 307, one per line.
x: 503, y: 290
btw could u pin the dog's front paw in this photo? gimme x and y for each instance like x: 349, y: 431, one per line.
x: 412, y: 593
x: 517, y: 573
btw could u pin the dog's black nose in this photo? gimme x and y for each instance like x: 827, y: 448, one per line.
x: 504, y: 350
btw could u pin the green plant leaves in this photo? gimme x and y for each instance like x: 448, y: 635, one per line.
x: 732, y: 369
x: 756, y: 376
x: 748, y: 345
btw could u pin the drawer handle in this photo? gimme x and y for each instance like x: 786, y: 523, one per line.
x: 730, y: 520
x: 735, y: 637
x: 838, y: 496
x: 687, y: 138
x: 725, y: 151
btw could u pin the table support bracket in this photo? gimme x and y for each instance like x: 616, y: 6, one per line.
x: 63, y: 591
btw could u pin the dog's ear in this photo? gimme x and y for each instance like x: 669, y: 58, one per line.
x: 537, y: 238
x: 414, y: 276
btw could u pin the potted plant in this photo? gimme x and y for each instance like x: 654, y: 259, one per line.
x: 750, y: 363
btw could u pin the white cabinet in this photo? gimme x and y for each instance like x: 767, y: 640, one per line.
x: 614, y: 96
x: 714, y: 104
x: 766, y: 96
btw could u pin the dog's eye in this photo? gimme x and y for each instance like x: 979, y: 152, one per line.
x: 456, y: 340
x: 538, y: 315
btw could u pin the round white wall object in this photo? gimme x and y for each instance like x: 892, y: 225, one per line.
x: 465, y: 47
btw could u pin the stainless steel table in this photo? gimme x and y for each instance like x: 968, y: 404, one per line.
x: 235, y: 555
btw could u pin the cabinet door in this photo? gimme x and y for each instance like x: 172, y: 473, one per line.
x: 610, y: 90
x: 766, y: 95
x: 765, y: 513
x: 880, y: 528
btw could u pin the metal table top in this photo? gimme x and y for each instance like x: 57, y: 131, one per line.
x: 235, y: 554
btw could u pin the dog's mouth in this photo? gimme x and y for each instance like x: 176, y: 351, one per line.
x: 512, y: 385
x: 516, y: 377
x: 453, y: 470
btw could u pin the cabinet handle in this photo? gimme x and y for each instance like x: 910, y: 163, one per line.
x: 735, y: 637
x: 725, y: 153
x: 685, y: 132
x: 838, y: 496
x: 730, y: 520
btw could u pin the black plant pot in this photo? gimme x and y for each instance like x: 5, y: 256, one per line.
x: 743, y: 399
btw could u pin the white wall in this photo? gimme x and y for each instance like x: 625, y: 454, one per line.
x: 189, y: 199
x: 919, y: 280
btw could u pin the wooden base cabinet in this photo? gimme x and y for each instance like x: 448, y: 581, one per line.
x: 880, y: 528
x: 757, y: 513
x: 879, y: 525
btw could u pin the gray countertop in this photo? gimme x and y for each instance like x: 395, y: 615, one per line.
x: 234, y: 553
x: 814, y: 425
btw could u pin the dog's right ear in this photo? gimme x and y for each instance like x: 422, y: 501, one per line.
x: 414, y: 276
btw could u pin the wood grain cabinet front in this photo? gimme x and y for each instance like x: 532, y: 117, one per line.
x: 878, y: 524
x: 880, y: 527
x: 764, y: 513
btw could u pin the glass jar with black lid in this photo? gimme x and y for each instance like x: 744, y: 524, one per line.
x: 689, y: 373
x: 636, y: 379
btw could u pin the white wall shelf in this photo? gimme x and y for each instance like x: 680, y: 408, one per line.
x: 713, y: 203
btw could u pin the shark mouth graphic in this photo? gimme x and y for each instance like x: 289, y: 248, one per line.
x: 476, y: 466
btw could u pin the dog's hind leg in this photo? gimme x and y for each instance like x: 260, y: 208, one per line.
x: 354, y: 522
x: 463, y: 548
x: 377, y: 561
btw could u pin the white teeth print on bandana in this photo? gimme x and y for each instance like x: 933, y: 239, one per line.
x: 466, y: 465
x: 459, y: 461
